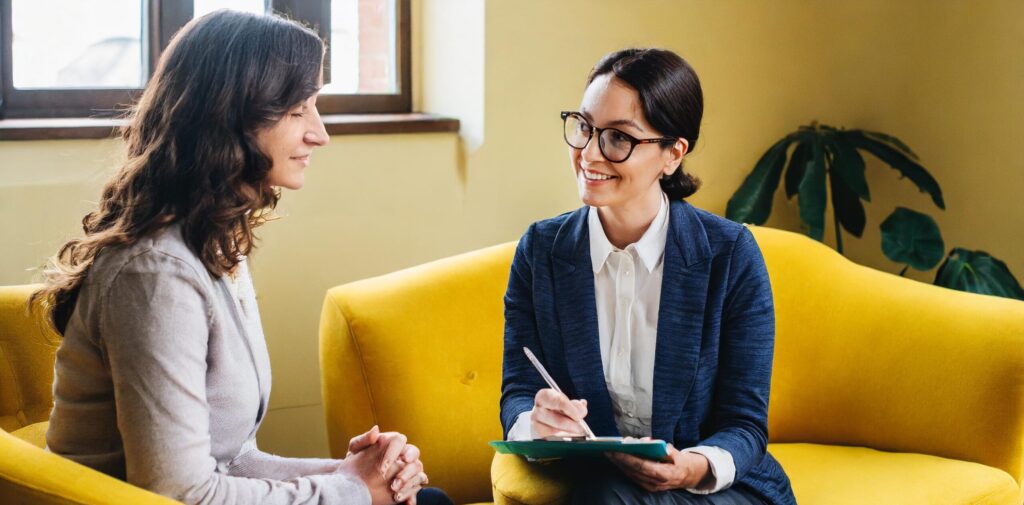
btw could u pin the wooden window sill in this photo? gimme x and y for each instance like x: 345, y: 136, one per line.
x: 336, y: 124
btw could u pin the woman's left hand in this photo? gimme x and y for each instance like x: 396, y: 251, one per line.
x: 685, y: 470
x: 400, y: 465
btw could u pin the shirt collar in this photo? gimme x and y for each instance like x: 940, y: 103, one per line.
x: 650, y: 248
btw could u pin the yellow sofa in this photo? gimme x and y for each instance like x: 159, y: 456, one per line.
x: 28, y: 473
x: 885, y: 390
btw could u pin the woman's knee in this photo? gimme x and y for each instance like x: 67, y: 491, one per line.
x: 432, y: 496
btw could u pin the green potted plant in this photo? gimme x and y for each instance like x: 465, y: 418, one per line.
x: 822, y: 158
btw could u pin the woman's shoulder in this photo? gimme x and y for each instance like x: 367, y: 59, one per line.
x: 541, y: 235
x: 722, y: 233
x: 547, y: 229
x: 163, y: 251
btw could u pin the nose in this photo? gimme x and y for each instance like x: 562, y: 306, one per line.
x: 592, y: 151
x: 316, y: 134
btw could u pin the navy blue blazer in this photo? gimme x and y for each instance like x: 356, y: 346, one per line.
x: 716, y: 337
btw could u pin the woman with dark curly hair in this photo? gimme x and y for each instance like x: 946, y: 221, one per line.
x: 163, y: 377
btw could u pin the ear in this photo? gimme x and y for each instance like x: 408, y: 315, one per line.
x: 674, y: 155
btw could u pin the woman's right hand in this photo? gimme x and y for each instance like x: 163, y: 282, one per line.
x: 397, y: 464
x: 554, y: 414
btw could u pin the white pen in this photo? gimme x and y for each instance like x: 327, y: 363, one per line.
x: 552, y: 385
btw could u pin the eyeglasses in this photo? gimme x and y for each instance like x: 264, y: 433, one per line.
x: 615, y: 145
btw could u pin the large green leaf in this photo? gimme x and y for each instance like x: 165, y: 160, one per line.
x: 752, y: 202
x: 897, y: 160
x: 813, y: 195
x: 848, y: 163
x: 892, y: 140
x: 913, y: 238
x: 846, y: 205
x: 797, y: 167
x: 978, y: 272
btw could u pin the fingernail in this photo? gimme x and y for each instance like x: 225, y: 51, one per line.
x: 399, y: 497
x: 384, y: 468
x: 396, y: 485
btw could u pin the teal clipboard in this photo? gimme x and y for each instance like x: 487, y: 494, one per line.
x: 535, y: 450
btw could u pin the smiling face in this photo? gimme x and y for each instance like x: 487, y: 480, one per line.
x: 611, y: 103
x: 289, y: 143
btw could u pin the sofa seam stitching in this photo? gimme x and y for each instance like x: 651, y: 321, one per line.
x: 359, y: 355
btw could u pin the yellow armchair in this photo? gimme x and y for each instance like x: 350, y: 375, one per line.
x: 885, y: 390
x: 28, y: 473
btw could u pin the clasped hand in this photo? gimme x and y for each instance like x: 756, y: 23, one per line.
x: 388, y: 465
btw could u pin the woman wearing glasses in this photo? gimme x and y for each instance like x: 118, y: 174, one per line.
x: 162, y: 378
x: 655, y: 317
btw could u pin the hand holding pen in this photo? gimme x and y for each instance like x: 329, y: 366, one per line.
x: 554, y: 414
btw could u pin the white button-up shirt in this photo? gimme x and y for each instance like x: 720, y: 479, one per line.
x: 627, y: 287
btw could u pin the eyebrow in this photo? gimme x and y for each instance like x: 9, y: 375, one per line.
x: 617, y: 122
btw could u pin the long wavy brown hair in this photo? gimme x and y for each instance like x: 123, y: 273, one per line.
x: 192, y: 157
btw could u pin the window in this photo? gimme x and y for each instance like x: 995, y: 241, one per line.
x: 69, y: 58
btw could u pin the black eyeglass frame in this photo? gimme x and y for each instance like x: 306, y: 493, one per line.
x: 633, y: 141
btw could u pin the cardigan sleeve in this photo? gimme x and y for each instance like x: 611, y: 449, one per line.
x: 255, y: 463
x: 519, y: 381
x: 155, y: 325
x: 739, y: 414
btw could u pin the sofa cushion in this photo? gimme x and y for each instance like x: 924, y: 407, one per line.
x: 835, y: 475
x: 514, y: 481
x: 821, y: 475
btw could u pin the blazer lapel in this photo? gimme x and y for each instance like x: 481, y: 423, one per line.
x: 576, y: 306
x: 680, y: 317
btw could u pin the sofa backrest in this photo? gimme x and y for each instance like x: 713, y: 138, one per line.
x: 868, y: 358
x: 863, y: 358
x: 27, y: 347
x: 419, y: 351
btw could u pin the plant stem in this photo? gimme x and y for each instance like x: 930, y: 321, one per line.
x: 905, y: 267
x: 839, y: 231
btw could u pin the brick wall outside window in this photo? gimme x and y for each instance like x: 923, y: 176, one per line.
x: 376, y: 74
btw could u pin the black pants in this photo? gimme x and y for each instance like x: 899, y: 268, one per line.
x: 608, y: 485
x: 432, y: 496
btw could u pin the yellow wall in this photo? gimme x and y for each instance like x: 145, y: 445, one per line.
x: 944, y: 76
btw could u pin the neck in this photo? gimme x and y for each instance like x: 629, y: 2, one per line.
x: 624, y: 225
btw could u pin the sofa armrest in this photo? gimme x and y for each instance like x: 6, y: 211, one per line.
x: 29, y: 474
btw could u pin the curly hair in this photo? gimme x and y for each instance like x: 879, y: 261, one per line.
x: 193, y: 157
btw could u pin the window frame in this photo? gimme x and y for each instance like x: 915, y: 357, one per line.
x: 164, y: 18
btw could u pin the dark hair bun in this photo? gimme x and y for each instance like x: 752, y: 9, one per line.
x: 671, y: 98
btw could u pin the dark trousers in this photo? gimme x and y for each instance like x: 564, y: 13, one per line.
x: 609, y: 486
x: 432, y: 496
